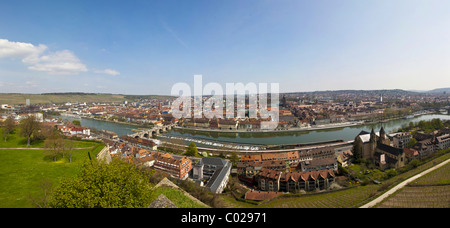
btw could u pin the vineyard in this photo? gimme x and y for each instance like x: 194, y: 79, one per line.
x: 430, y: 191
x: 346, y: 198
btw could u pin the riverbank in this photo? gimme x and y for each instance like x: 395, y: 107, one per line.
x: 105, y: 120
x: 293, y: 129
x: 310, y: 128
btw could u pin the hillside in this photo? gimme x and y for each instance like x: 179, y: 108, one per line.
x: 59, y: 98
x: 23, y: 170
x: 439, y: 90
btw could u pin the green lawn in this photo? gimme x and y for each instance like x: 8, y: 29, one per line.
x: 177, y: 197
x: 14, y: 140
x: 21, y: 171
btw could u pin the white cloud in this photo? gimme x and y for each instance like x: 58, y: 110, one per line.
x: 25, y: 51
x: 59, y: 62
x: 107, y: 71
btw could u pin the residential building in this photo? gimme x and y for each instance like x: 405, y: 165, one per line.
x: 443, y: 142
x: 307, y: 181
x: 178, y: 168
x: 268, y: 180
x: 276, y: 181
x: 212, y: 173
x: 401, y: 140
x: 318, y: 164
x: 345, y: 158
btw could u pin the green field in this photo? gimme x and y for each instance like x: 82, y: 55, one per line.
x: 22, y: 170
x: 60, y: 98
x: 16, y: 99
x: 177, y: 197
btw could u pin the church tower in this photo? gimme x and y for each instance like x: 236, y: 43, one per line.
x: 372, y: 144
x: 383, y: 138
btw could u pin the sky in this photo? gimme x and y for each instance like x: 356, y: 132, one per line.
x: 145, y: 47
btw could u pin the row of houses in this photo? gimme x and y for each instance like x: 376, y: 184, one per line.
x: 292, y: 156
x: 74, y: 130
x: 279, y: 181
x: 211, y: 173
x: 427, y: 144
x: 230, y: 124
x: 178, y: 168
x: 252, y: 168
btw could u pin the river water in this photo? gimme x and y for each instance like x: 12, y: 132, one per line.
x: 345, y: 133
x: 120, y: 129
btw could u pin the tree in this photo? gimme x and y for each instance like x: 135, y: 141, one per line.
x: 54, y: 145
x: 102, y: 185
x: 68, y: 146
x: 29, y: 126
x: 411, y: 143
x: 234, y: 158
x: 357, y: 153
x: 8, y: 126
x: 76, y: 122
x: 41, y: 200
x: 192, y: 150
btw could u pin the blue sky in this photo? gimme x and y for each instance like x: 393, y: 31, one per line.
x: 144, y: 47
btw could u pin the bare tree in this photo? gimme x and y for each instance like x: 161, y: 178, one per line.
x: 69, y: 148
x: 42, y: 200
x: 54, y: 145
x: 29, y: 127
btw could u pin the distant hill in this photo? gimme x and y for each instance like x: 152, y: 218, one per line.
x: 439, y: 90
x: 78, y: 97
x: 73, y: 97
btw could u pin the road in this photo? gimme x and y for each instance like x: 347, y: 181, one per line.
x: 402, y: 184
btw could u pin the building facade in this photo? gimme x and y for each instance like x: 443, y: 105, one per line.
x: 212, y: 173
x: 376, y: 148
x: 278, y: 181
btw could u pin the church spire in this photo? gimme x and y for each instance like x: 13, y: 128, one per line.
x: 372, y: 135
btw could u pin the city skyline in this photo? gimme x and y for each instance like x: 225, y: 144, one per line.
x: 142, y: 47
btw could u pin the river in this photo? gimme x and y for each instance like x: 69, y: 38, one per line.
x: 345, y: 133
x: 119, y: 128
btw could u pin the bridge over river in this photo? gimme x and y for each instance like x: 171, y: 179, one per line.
x: 156, y: 130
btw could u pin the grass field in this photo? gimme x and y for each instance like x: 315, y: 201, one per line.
x: 16, y: 98
x: 14, y: 140
x: 177, y: 197
x: 21, y: 171
x: 60, y: 98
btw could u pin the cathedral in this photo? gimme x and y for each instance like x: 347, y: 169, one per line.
x: 376, y: 147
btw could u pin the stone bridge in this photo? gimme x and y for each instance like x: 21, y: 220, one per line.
x: 153, y: 131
